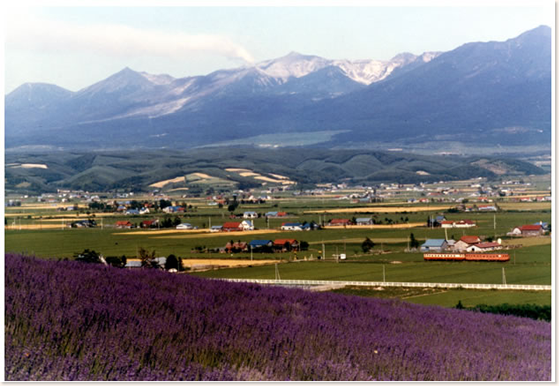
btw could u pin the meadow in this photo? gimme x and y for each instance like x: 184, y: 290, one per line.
x: 72, y: 321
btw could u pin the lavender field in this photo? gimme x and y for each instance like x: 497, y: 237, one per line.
x: 73, y: 321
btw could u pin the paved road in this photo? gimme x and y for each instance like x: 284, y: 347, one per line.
x: 338, y: 284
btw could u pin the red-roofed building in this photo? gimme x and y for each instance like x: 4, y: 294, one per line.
x: 231, y: 227
x: 286, y: 245
x: 527, y: 231
x: 123, y: 224
x: 484, y: 247
x: 470, y: 239
x: 337, y: 222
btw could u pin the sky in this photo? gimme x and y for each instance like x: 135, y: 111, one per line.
x: 76, y: 46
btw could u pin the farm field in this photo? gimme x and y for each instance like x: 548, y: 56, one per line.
x: 451, y: 297
x: 40, y: 229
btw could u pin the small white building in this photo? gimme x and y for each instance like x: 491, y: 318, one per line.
x: 250, y: 215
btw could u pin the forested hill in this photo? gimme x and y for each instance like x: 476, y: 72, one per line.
x: 219, y: 167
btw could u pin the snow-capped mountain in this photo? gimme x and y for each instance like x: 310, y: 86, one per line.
x: 478, y: 86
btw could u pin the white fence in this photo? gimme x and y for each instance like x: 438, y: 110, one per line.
x: 307, y: 283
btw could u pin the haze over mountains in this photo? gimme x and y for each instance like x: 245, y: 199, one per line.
x: 491, y: 94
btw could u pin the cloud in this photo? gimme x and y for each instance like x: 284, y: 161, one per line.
x: 116, y: 40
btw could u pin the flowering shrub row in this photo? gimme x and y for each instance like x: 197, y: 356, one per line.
x: 73, y: 321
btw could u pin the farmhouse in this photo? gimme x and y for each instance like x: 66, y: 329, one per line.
x: 239, y: 246
x: 123, y: 224
x: 527, y: 231
x: 434, y: 245
x: 291, y: 226
x: 435, y: 222
x: 150, y: 223
x: 247, y: 225
x: 484, y: 247
x: 231, y: 227
x: 261, y: 245
x: 458, y: 224
x: 487, y: 208
x: 339, y: 222
x: 286, y: 245
x: 216, y: 228
x: 364, y: 221
x: 132, y: 212
x: 173, y: 209
x: 250, y: 215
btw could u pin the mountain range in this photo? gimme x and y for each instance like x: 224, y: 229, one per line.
x: 482, y: 94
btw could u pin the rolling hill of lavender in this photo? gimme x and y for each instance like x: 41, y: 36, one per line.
x: 66, y: 320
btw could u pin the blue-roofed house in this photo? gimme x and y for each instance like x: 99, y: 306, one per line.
x: 434, y: 245
x: 250, y: 215
x: 271, y: 214
x: 133, y: 212
x: 216, y: 228
x: 261, y: 245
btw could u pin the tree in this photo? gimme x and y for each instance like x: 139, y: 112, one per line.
x: 304, y: 246
x: 367, y: 245
x: 147, y: 257
x: 233, y: 206
x: 172, y: 262
x: 414, y: 244
x: 88, y: 256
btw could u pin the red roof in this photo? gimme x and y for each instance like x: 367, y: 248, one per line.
x: 470, y: 239
x: 231, y: 225
x: 283, y: 241
x: 488, y: 245
x: 447, y: 222
x: 530, y: 227
x: 466, y: 222
x: 340, y: 221
x: 282, y: 214
x: 123, y: 223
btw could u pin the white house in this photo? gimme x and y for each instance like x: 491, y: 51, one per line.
x: 250, y: 215
x: 247, y: 225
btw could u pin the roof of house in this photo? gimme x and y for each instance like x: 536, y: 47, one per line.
x: 291, y: 224
x: 530, y: 227
x: 250, y: 212
x: 447, y: 222
x: 231, y: 225
x: 217, y: 226
x: 133, y: 264
x: 339, y: 221
x: 259, y: 243
x: 283, y: 241
x: 360, y: 219
x: 488, y: 245
x: 466, y: 222
x: 434, y: 242
x: 470, y: 239
x: 272, y: 214
x: 123, y: 223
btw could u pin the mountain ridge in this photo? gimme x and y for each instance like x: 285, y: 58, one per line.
x: 410, y: 97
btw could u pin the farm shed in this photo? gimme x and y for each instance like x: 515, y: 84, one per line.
x: 364, y: 221
x: 231, y: 227
x: 340, y: 222
x: 260, y: 245
x: 434, y: 245
x: 250, y: 215
x: 484, y: 247
x: 291, y: 226
x: 527, y: 231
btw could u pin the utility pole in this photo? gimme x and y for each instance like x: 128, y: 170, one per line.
x: 445, y: 234
x: 323, y: 250
x: 383, y: 274
x: 251, y: 253
x: 337, y: 255
x: 210, y: 222
x: 504, y: 277
x: 494, y: 226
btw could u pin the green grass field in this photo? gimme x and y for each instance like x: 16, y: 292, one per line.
x: 451, y: 297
